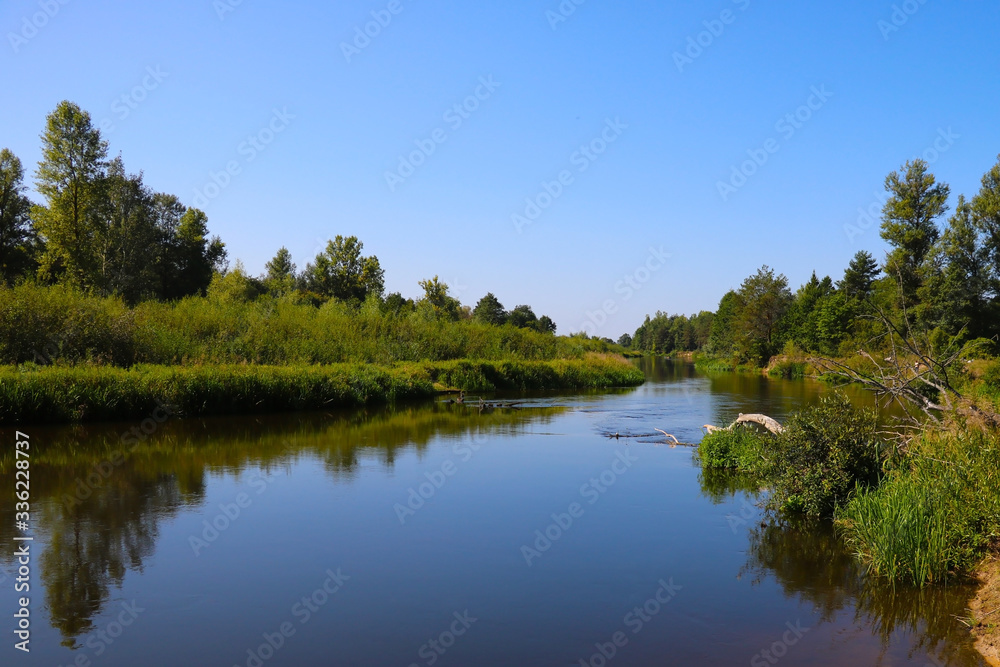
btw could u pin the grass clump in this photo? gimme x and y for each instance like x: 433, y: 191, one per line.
x: 935, y: 515
x: 740, y: 448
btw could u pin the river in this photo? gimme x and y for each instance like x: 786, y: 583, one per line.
x: 442, y: 534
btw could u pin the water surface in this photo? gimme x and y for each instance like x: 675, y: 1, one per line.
x: 441, y: 534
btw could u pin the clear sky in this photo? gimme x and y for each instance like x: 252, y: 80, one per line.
x: 311, y: 127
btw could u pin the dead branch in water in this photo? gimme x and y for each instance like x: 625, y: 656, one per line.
x: 769, y: 423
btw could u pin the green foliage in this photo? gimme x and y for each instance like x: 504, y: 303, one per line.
x: 909, y: 222
x: 61, y: 325
x: 343, y: 273
x: 788, y: 369
x: 74, y: 159
x: 935, y: 515
x: 991, y: 376
x: 740, y: 448
x: 760, y: 307
x: 859, y: 276
x: 279, y: 276
x: 722, y: 339
x: 824, y: 453
x: 437, y: 304
x: 666, y: 334
x: 489, y: 310
x: 241, y: 323
x: 18, y: 241
x: 86, y: 393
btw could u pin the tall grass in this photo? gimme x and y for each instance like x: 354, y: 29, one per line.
x: 81, y: 393
x: 933, y: 517
x: 59, y: 325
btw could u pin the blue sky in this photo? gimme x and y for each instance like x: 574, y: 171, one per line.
x: 311, y: 128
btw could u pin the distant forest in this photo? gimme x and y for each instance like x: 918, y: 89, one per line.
x: 940, y: 278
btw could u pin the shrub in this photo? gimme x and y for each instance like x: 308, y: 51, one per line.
x: 740, y: 448
x: 824, y: 453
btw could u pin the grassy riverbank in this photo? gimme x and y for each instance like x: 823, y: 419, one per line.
x: 923, y: 511
x: 83, y: 393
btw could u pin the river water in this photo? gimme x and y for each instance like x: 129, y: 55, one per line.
x: 442, y: 534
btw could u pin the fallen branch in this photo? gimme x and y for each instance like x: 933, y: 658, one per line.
x: 674, y: 438
x: 770, y: 424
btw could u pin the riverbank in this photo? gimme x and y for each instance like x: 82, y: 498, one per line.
x: 984, y: 608
x: 93, y: 393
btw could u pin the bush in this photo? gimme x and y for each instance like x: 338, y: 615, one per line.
x: 60, y: 324
x: 740, y: 448
x: 824, y: 453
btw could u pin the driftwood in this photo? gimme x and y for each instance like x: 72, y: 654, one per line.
x: 770, y: 424
x: 672, y: 437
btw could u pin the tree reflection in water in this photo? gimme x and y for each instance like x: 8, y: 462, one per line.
x: 92, y: 533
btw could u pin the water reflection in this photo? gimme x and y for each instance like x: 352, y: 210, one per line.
x: 99, y: 500
x: 809, y: 562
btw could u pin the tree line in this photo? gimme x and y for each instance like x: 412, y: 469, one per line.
x: 104, y: 231
x: 940, y: 277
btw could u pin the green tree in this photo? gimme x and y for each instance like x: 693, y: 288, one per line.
x: 342, y: 272
x: 545, y: 325
x: 985, y: 210
x: 523, y: 317
x: 17, y: 237
x: 761, y: 304
x: 489, y: 310
x: 125, y: 234
x: 195, y: 257
x: 280, y: 272
x: 956, y: 291
x: 801, y: 318
x: 395, y: 304
x: 69, y: 175
x: 859, y: 276
x: 909, y: 223
x: 722, y: 339
x: 625, y: 340
x: 437, y: 303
